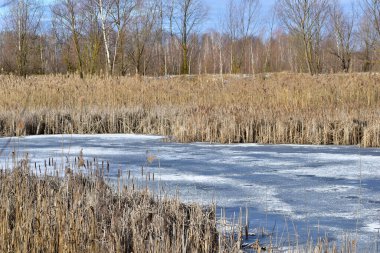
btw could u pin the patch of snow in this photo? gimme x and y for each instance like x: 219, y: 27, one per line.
x: 372, y: 227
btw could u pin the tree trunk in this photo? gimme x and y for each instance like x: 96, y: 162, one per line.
x: 105, y: 39
x: 307, y: 54
x: 77, y: 49
x: 185, y: 65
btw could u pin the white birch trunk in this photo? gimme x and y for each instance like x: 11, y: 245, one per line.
x: 115, y: 51
x: 103, y: 17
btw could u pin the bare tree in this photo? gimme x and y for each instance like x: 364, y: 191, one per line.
x: 342, y: 26
x: 367, y: 37
x: 143, y: 30
x: 112, y: 16
x: 306, y: 19
x: 170, y: 5
x: 372, y: 12
x: 218, y: 41
x: 270, y: 43
x: 120, y: 13
x: 170, y: 40
x: 242, y: 19
x: 25, y: 17
x: 66, y: 11
x: 91, y: 36
x: 190, y: 14
x: 103, y: 8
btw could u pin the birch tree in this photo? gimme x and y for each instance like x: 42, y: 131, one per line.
x: 104, y: 8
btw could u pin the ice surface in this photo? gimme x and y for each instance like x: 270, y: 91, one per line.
x: 371, y: 227
x: 319, y: 190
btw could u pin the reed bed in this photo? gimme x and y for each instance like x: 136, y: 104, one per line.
x: 81, y: 213
x: 340, y: 109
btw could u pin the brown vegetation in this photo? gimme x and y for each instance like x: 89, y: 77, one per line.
x: 274, y: 108
x: 81, y: 213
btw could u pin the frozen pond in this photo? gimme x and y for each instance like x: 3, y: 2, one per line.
x: 291, y: 191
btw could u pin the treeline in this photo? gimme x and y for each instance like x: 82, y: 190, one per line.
x: 169, y: 37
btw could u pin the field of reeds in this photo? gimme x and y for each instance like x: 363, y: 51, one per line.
x: 341, y: 109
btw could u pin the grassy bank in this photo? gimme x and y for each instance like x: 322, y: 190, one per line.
x: 274, y: 108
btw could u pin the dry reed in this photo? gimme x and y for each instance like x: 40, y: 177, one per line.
x: 341, y: 109
x: 80, y: 213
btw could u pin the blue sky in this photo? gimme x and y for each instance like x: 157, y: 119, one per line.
x: 217, y: 9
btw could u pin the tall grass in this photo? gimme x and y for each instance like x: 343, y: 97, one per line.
x: 275, y: 108
x: 81, y: 213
